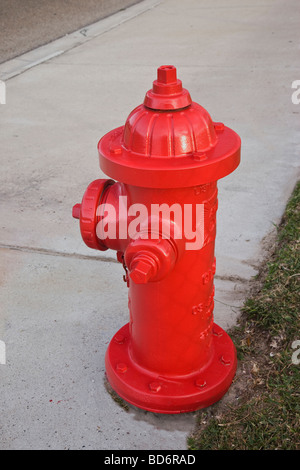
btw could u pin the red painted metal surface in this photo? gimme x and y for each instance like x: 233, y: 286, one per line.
x: 171, y: 357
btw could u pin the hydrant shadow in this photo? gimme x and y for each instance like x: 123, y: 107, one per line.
x: 182, y: 422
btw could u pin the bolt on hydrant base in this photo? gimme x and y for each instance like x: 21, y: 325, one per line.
x: 160, y: 218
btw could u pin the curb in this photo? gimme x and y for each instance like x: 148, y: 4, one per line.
x: 42, y: 54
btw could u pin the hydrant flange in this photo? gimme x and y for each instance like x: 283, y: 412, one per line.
x: 170, y: 394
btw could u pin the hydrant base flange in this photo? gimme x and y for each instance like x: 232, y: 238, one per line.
x: 168, y: 394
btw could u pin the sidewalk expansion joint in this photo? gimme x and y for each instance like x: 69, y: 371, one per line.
x: 48, y: 252
x: 232, y: 278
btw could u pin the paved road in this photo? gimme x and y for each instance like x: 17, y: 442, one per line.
x: 25, y: 25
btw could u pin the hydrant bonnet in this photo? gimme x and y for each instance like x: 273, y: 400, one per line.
x: 169, y: 141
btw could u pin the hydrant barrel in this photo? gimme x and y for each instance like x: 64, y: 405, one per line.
x: 159, y: 213
x: 165, y: 315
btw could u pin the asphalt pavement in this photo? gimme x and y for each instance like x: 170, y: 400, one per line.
x: 25, y: 25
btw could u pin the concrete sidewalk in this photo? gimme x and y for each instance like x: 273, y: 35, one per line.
x: 61, y: 302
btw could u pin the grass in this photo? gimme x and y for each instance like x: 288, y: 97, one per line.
x: 262, y: 408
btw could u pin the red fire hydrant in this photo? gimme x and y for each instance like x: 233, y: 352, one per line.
x: 161, y: 219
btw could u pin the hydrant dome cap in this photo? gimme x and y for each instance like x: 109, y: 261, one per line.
x: 156, y: 134
x: 169, y: 140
